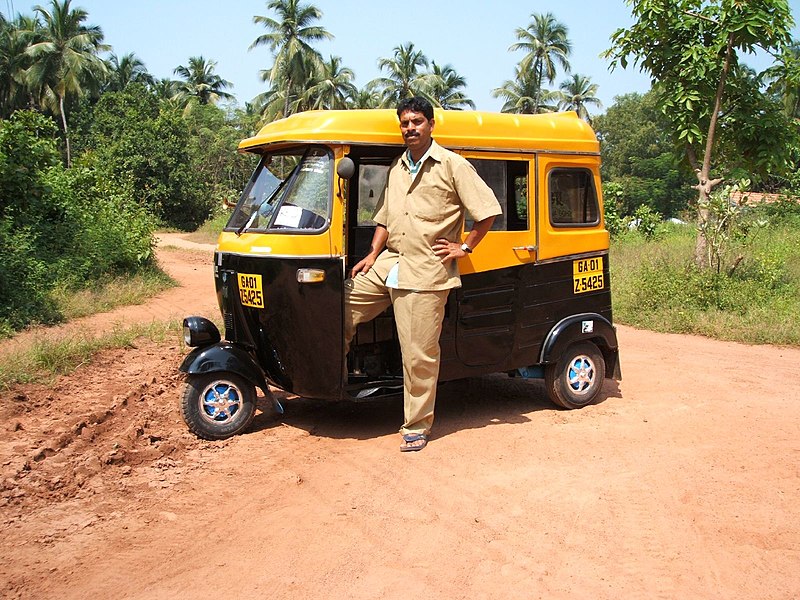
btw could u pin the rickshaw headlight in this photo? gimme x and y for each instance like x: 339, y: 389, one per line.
x: 199, y: 331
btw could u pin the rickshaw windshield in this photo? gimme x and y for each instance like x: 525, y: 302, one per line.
x: 289, y: 191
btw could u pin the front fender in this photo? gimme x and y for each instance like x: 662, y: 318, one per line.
x: 590, y: 327
x: 228, y: 357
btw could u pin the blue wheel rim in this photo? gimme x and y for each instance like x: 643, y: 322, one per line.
x: 581, y: 374
x: 220, y: 401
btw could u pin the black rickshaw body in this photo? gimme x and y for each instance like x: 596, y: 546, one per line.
x: 537, y: 288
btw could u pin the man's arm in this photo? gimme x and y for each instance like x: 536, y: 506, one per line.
x: 447, y: 250
x: 376, y: 247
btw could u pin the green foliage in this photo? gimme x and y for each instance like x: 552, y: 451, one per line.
x: 26, y: 150
x: 611, y: 201
x: 784, y: 211
x: 214, y: 136
x: 656, y: 285
x: 726, y: 225
x: 141, y: 145
x: 57, y: 226
x: 100, y: 233
x: 639, y: 156
x: 690, y: 49
x: 647, y: 222
x: 644, y: 221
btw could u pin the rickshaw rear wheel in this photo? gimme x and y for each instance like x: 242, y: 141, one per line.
x: 217, y: 406
x: 575, y: 380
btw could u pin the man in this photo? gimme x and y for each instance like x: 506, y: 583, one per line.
x: 412, y: 259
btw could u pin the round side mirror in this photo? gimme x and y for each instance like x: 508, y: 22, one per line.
x: 346, y: 168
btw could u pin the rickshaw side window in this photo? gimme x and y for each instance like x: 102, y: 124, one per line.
x: 573, y: 199
x: 289, y: 190
x: 371, y: 184
x: 508, y: 179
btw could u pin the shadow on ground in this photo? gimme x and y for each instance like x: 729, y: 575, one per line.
x: 464, y: 404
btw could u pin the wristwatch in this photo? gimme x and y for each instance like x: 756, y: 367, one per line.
x: 466, y: 249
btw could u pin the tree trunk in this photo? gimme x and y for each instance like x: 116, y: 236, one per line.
x: 704, y: 184
x: 66, y: 131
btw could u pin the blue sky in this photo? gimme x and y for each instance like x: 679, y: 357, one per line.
x: 471, y: 35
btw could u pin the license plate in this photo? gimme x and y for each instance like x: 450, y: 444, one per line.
x: 251, y: 292
x: 587, y: 275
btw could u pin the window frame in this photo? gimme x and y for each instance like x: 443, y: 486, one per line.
x: 555, y: 170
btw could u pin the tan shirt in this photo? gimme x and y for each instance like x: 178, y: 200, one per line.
x: 433, y: 206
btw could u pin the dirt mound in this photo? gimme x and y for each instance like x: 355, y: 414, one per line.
x: 89, y: 432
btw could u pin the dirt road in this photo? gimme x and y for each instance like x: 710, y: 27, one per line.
x: 684, y: 482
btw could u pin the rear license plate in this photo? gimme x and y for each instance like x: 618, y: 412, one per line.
x: 587, y: 275
x: 251, y: 292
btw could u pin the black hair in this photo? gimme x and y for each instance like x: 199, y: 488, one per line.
x: 416, y: 104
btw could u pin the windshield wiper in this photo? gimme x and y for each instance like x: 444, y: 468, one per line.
x: 274, y: 193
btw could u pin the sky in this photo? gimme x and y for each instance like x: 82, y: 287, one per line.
x: 473, y: 36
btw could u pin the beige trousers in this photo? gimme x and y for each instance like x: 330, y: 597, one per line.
x: 418, y: 316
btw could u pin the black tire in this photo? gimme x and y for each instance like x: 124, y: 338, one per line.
x: 577, y: 378
x: 217, y: 406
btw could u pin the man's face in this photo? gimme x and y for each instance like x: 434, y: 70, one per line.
x: 416, y: 130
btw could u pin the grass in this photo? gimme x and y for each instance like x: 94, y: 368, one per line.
x: 111, y: 293
x: 47, y: 358
x: 656, y: 287
x: 209, y: 231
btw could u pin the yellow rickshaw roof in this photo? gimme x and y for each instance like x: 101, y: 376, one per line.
x: 561, y: 132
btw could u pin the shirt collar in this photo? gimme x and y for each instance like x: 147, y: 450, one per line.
x: 433, y: 151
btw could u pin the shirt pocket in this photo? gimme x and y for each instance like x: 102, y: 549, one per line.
x: 430, y: 204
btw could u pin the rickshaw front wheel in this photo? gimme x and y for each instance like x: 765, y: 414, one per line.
x: 217, y: 406
x: 576, y: 379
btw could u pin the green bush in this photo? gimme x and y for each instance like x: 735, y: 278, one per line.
x: 27, y: 148
x: 104, y: 232
x: 142, y: 146
x: 58, y: 227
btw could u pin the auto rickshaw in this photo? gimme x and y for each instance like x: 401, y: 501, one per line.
x: 535, y: 299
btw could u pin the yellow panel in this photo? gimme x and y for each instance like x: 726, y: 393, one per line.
x: 562, y: 132
x: 277, y: 244
x: 497, y: 250
x: 565, y: 241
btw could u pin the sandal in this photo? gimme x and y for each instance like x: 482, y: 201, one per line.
x: 411, y: 438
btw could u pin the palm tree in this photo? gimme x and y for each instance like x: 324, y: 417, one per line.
x: 15, y: 37
x: 366, y: 97
x: 545, y: 42
x: 576, y: 93
x: 281, y: 100
x: 403, y: 78
x: 334, y: 87
x: 65, y: 63
x: 200, y: 81
x: 290, y: 38
x: 784, y: 80
x: 524, y: 95
x: 446, y: 88
x: 125, y: 70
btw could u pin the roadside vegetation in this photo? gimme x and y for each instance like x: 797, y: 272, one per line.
x: 754, y: 299
x: 46, y: 358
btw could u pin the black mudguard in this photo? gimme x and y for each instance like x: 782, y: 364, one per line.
x: 225, y: 357
x: 590, y: 327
